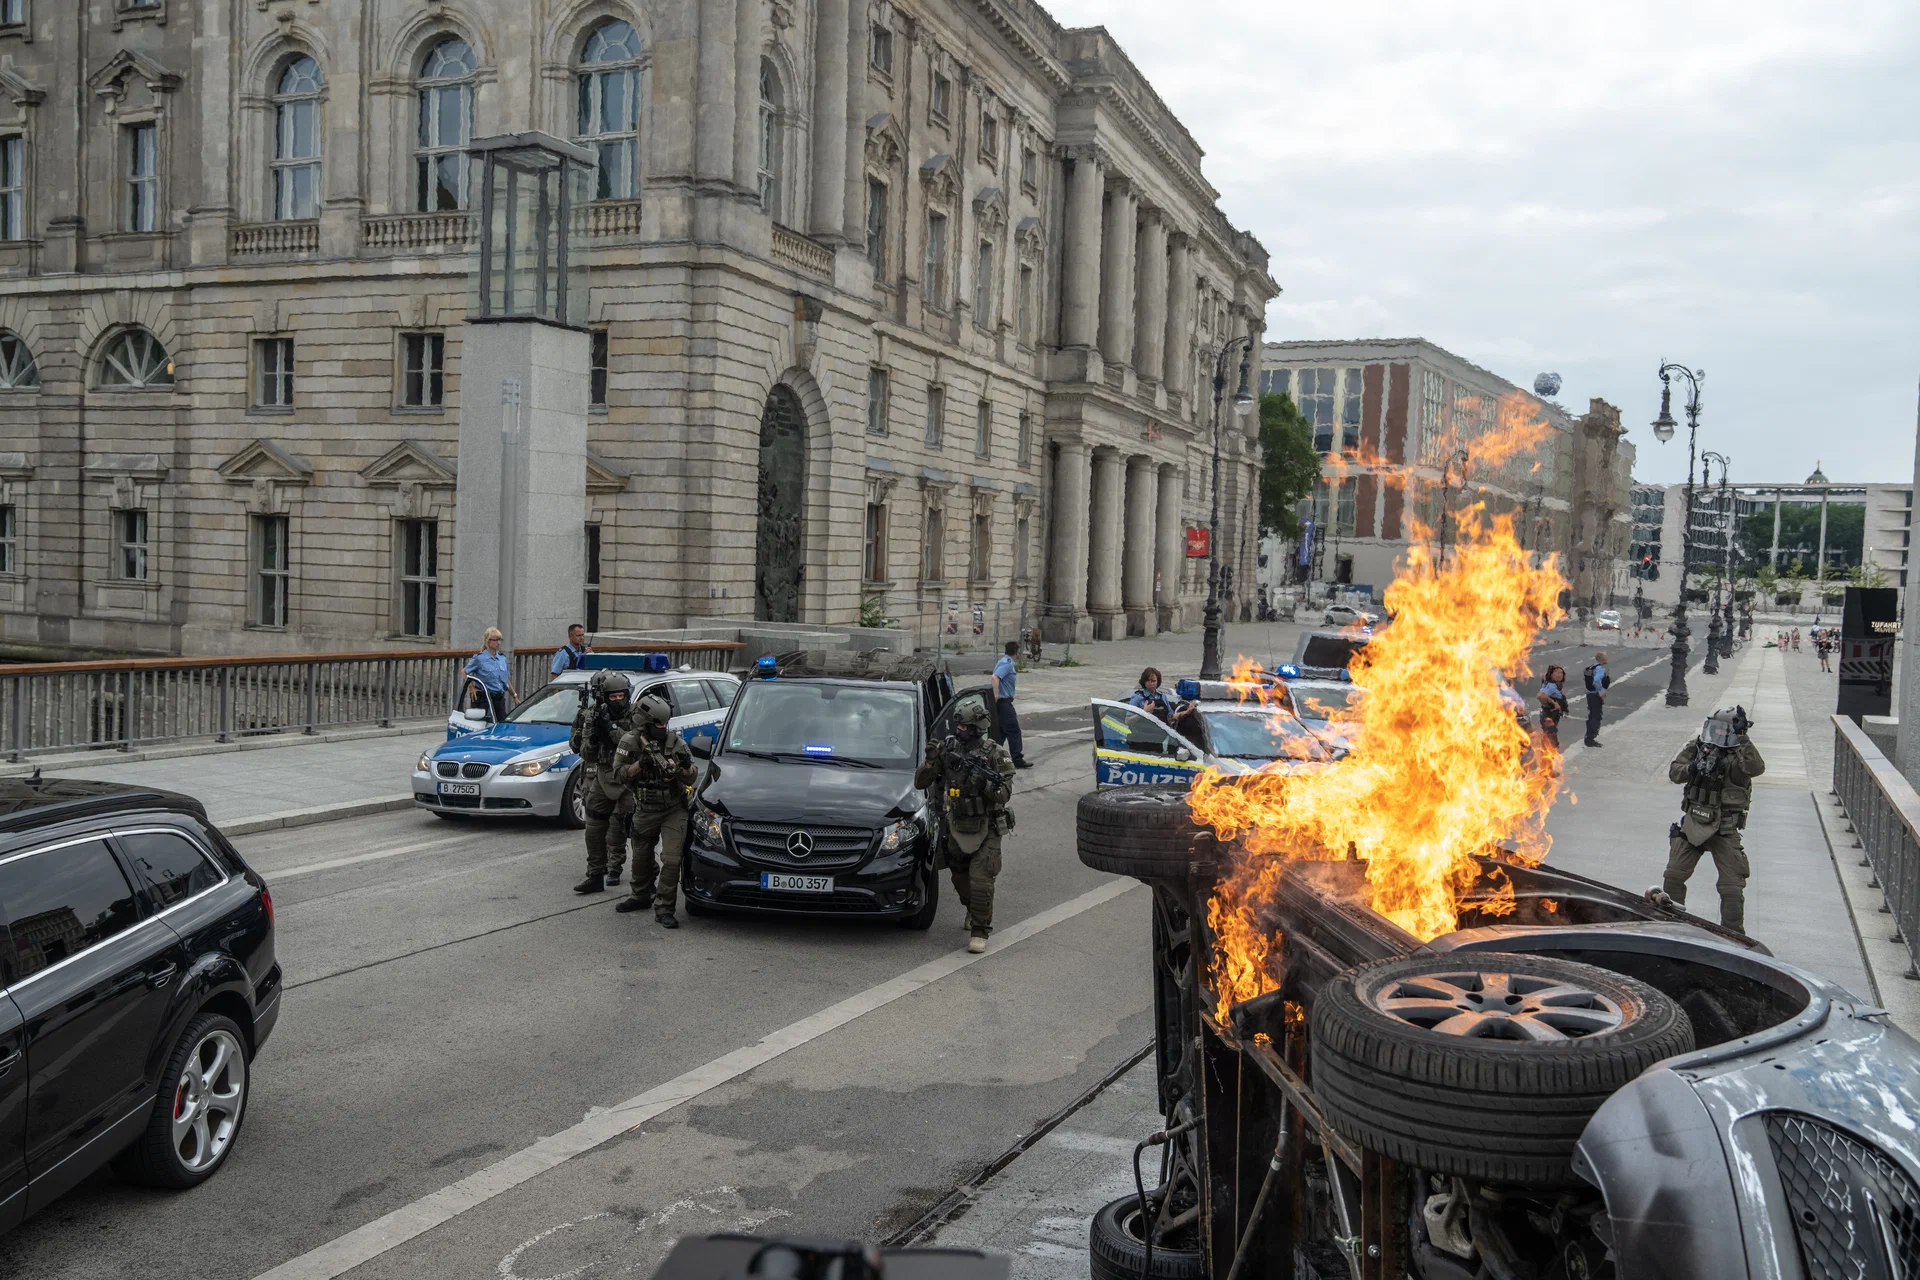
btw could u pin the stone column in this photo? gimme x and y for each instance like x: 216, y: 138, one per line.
x: 715, y: 104
x: 1136, y: 576
x: 1150, y: 343
x: 1178, y: 373
x: 1067, y: 556
x: 830, y: 58
x: 854, y: 204
x: 1116, y: 275
x: 748, y: 36
x: 1170, y: 547
x: 1081, y: 254
x: 1104, y: 536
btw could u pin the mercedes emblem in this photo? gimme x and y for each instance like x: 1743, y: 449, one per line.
x: 800, y: 845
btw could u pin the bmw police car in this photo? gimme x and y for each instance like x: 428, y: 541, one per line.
x: 523, y: 767
x: 1221, y: 725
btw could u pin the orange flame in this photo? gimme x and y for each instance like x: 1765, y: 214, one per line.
x: 1440, y: 770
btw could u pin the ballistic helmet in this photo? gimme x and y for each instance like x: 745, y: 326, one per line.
x: 611, y: 686
x: 1722, y: 727
x: 972, y: 715
x: 653, y: 709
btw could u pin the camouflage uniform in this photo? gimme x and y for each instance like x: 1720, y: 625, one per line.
x: 608, y: 800
x: 1715, y: 809
x: 657, y: 771
x: 975, y: 781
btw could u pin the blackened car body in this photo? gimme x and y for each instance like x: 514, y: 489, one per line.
x: 137, y: 984
x: 808, y: 805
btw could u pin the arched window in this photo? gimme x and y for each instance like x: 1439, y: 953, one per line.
x: 446, y: 126
x: 17, y: 369
x: 296, y: 145
x: 134, y: 360
x: 770, y: 169
x: 609, y: 91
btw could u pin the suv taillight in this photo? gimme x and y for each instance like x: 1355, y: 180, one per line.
x: 266, y: 900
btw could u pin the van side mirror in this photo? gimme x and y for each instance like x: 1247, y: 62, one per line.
x: 702, y: 747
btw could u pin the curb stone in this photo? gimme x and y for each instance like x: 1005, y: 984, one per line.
x: 316, y: 815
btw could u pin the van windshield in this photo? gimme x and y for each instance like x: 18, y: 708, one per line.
x: 824, y: 723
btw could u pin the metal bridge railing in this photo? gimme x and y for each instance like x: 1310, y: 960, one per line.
x: 136, y: 702
x: 1885, y: 812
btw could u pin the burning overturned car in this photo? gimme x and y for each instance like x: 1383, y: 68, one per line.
x: 1392, y: 1042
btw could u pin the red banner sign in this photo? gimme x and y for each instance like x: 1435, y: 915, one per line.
x: 1197, y: 543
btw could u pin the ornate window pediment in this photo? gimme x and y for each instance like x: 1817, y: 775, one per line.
x: 1031, y: 238
x: 604, y: 475
x: 940, y: 175
x: 110, y: 81
x: 410, y: 462
x: 991, y: 208
x: 19, y: 90
x: 265, y: 460
x: 886, y: 144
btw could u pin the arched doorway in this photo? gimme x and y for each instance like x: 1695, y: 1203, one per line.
x: 780, y: 538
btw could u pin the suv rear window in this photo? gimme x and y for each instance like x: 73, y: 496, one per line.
x: 172, y: 864
x: 1330, y: 651
x: 59, y: 903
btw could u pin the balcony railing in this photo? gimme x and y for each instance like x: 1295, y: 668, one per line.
x: 1885, y: 813
x: 613, y: 219
x: 276, y: 237
x: 794, y: 250
x: 419, y: 231
x: 77, y: 706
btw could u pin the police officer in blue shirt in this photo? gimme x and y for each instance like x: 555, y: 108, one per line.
x: 1597, y: 682
x: 489, y: 671
x: 572, y: 654
x: 1006, y: 721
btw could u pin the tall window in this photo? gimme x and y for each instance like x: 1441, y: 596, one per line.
x: 933, y: 556
x: 877, y: 228
x: 1432, y: 410
x: 9, y: 541
x: 1024, y: 449
x: 989, y: 134
x: 446, y: 126
x: 134, y: 360
x: 609, y: 116
x: 1022, y: 533
x: 983, y: 286
x: 1350, y: 411
x: 982, y: 547
x: 17, y: 369
x: 590, y: 609
x: 1277, y: 381
x: 770, y: 140
x: 1316, y: 405
x: 874, y: 561
x: 876, y: 402
x: 130, y: 531
x: 1345, y: 512
x: 270, y: 573
x: 12, y: 12
x: 273, y: 358
x: 423, y: 376
x: 296, y: 141
x: 13, y: 188
x: 1025, y: 313
x: 941, y: 98
x: 1029, y: 168
x: 983, y: 430
x: 936, y: 406
x: 880, y: 49
x: 419, y: 566
x: 597, y: 369
x: 143, y: 177
x: 936, y: 273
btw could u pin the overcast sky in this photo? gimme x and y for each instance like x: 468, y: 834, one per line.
x: 1587, y: 189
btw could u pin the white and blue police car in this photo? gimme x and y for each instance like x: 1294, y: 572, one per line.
x: 1218, y: 724
x: 523, y: 767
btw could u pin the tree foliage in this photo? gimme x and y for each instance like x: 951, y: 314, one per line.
x: 1800, y: 535
x: 1291, y: 465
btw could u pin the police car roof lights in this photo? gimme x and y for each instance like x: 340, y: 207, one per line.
x: 819, y: 749
x: 767, y: 667
x: 1188, y: 689
x: 648, y: 662
x: 1288, y: 669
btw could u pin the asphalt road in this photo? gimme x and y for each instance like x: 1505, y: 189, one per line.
x: 451, y: 1003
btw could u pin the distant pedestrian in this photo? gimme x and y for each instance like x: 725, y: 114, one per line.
x: 488, y: 671
x: 1553, y: 703
x: 1597, y: 682
x: 1823, y: 645
x: 1006, y: 720
x: 573, y: 654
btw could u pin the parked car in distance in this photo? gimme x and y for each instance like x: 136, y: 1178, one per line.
x: 523, y: 767
x: 1343, y: 615
x: 137, y: 986
x: 1607, y: 620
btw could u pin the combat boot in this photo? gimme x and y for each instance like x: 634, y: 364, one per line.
x: 666, y: 919
x: 634, y: 902
x: 594, y: 883
x: 977, y: 944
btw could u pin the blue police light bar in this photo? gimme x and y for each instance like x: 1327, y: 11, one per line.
x: 658, y: 662
x: 1188, y: 689
x: 817, y: 750
x: 1288, y: 669
x: 767, y: 668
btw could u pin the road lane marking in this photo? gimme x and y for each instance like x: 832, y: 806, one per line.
x: 364, y: 1243
x: 313, y: 868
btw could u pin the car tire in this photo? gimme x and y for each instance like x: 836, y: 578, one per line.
x: 1116, y: 1250
x: 1482, y: 1101
x: 206, y: 1077
x: 922, y: 920
x: 573, y: 808
x: 1145, y: 832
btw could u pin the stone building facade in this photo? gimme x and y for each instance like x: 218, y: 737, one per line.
x: 1387, y: 416
x: 907, y: 304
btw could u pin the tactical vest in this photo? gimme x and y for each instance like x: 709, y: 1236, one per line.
x: 975, y: 796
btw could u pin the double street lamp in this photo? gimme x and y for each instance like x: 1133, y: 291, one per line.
x: 1714, y: 652
x: 1243, y: 405
x: 1663, y: 429
x: 1725, y: 504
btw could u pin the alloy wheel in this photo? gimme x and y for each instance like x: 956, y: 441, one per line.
x: 208, y: 1099
x: 1499, y: 1006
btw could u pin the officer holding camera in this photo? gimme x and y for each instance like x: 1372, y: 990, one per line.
x: 973, y: 775
x: 597, y: 733
x: 1717, y: 769
x: 657, y: 767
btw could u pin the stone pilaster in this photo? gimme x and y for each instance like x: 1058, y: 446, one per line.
x: 830, y: 59
x: 1170, y: 547
x: 1150, y: 339
x: 1067, y: 557
x: 1136, y: 575
x: 1104, y: 537
x: 1116, y: 274
x: 1177, y: 342
x: 1080, y: 272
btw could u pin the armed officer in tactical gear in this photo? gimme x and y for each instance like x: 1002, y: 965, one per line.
x: 1717, y: 769
x: 656, y: 765
x: 597, y: 730
x: 973, y: 775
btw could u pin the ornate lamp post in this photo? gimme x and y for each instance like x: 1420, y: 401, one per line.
x: 1663, y: 429
x: 1714, y: 649
x: 1726, y: 555
x: 1243, y: 405
x: 1446, y: 497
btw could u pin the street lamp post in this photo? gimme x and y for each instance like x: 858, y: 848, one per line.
x: 1446, y: 494
x: 1714, y: 650
x: 1726, y: 558
x: 1663, y: 429
x: 1242, y: 405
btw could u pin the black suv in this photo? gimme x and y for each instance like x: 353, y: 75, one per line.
x: 808, y: 806
x: 137, y: 982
